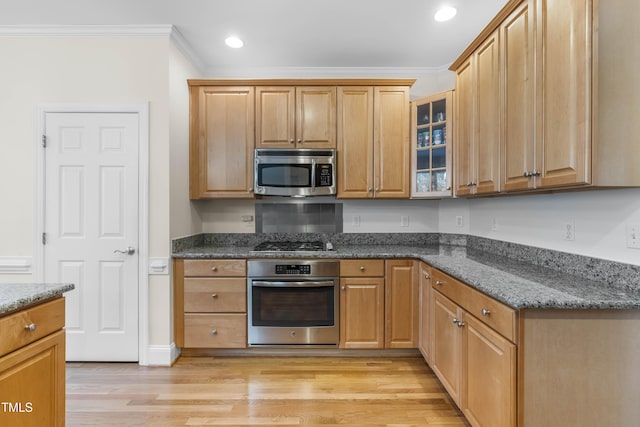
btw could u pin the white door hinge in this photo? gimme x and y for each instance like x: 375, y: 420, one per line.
x: 44, y: 238
x: 44, y: 141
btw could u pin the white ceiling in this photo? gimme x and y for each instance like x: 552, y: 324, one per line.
x: 386, y: 34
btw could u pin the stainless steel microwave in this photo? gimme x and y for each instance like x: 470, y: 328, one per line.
x: 295, y: 173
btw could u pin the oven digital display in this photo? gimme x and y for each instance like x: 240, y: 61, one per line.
x: 293, y: 269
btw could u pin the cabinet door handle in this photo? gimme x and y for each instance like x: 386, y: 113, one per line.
x: 214, y: 332
x: 455, y: 320
x: 214, y: 296
x: 343, y: 288
x: 460, y: 323
x: 361, y: 268
x: 439, y: 283
x: 485, y: 312
x: 214, y: 268
x: 292, y: 140
x: 426, y: 276
x: 526, y: 174
x: 30, y: 327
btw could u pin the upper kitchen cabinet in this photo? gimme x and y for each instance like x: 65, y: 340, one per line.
x: 568, y: 94
x: 221, y: 142
x: 431, y: 141
x: 296, y: 117
x: 477, y: 121
x: 373, y: 142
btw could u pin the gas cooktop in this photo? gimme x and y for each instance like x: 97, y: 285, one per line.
x: 289, y: 246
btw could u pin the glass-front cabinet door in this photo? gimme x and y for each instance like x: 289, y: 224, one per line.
x: 432, y: 137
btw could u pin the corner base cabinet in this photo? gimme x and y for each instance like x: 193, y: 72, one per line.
x: 32, y: 366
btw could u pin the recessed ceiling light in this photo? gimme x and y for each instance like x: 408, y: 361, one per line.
x: 445, y: 13
x: 234, y: 42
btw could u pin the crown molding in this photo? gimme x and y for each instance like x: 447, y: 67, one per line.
x: 323, y: 72
x: 183, y: 46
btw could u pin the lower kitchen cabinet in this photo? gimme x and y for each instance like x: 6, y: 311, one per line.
x: 32, y: 366
x: 362, y: 304
x: 401, y: 304
x: 210, y: 303
x: 476, y: 364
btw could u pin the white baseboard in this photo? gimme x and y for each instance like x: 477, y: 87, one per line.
x: 15, y: 265
x: 162, y: 355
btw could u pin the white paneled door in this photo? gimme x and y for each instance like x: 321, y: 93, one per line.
x: 91, y: 229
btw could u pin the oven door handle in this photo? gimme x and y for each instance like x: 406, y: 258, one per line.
x: 301, y: 284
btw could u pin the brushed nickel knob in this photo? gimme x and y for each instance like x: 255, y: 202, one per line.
x: 30, y: 327
x: 485, y: 312
x: 439, y: 283
x: 460, y: 324
x: 455, y: 320
x: 344, y: 288
x: 361, y: 268
x: 426, y: 276
x: 214, y: 296
x: 214, y: 332
x: 214, y: 268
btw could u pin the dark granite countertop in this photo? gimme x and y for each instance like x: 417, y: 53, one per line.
x: 15, y: 296
x: 518, y: 284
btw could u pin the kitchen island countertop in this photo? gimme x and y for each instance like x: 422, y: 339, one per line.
x: 16, y: 296
x: 518, y: 284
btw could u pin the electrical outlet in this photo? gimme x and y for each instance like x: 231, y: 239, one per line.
x: 246, y: 218
x: 404, y: 221
x: 494, y: 223
x: 570, y: 230
x: 355, y: 221
x: 459, y: 221
x: 633, y: 236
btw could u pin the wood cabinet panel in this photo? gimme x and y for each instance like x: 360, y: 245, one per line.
x: 563, y: 50
x: 486, y: 147
x: 391, y: 142
x: 355, y: 142
x: 362, y: 267
x: 489, y: 367
x: 275, y: 117
x: 35, y: 375
x: 446, y: 354
x: 222, y: 142
x: 46, y: 318
x: 362, y: 312
x: 215, y: 295
x: 401, y: 304
x: 494, y: 314
x: 215, y: 267
x: 425, y: 312
x: 517, y: 149
x: 316, y: 117
x: 215, y: 330
x: 465, y: 125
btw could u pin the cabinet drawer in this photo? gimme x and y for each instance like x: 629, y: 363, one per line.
x: 215, y: 330
x: 494, y: 314
x: 457, y: 291
x: 362, y: 268
x: 45, y: 318
x: 215, y: 295
x: 215, y: 267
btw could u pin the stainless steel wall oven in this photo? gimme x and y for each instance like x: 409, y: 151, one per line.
x: 293, y: 302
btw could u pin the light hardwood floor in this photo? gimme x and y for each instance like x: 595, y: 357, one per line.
x: 272, y: 391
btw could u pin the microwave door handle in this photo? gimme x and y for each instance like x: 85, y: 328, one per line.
x: 313, y: 175
x: 305, y: 284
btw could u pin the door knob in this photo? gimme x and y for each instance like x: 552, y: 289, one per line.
x: 128, y: 251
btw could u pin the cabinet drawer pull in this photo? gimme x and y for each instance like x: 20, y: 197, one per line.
x: 426, y: 276
x: 214, y: 296
x: 439, y: 283
x: 460, y: 324
x: 361, y: 268
x: 214, y: 332
x: 485, y: 312
x: 30, y: 327
x: 214, y: 268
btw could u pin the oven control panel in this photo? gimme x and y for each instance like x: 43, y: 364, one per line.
x: 293, y: 269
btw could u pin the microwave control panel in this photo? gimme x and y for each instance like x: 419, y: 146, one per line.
x: 324, y: 175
